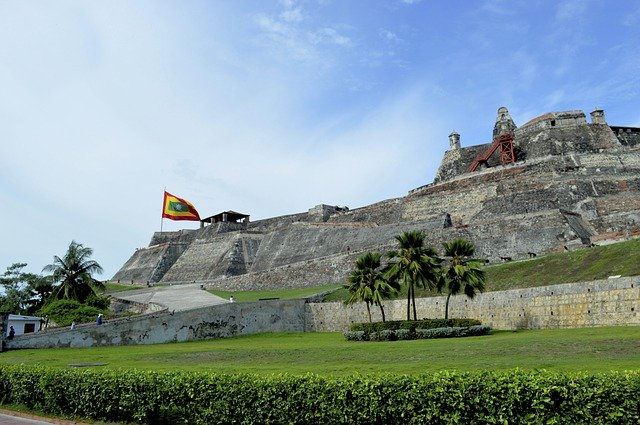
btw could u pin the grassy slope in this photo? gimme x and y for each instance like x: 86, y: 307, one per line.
x: 588, y: 349
x: 240, y: 296
x: 586, y: 264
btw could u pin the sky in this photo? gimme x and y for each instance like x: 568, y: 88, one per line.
x: 271, y: 107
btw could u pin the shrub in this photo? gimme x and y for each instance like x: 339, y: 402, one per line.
x: 412, y: 325
x: 516, y: 396
x: 101, y: 303
x: 354, y: 335
x: 63, y: 312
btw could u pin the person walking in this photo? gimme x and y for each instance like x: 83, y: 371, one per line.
x: 99, y: 319
x: 12, y: 332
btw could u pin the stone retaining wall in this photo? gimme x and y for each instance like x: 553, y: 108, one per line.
x: 612, y: 302
x: 224, y: 320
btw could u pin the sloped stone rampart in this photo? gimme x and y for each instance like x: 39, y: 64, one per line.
x: 573, y: 184
x: 611, y: 302
x: 150, y: 264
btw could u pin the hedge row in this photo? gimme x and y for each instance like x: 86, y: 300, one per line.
x: 412, y: 325
x: 514, y: 397
x: 407, y: 334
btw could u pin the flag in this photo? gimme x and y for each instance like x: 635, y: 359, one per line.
x: 175, y: 208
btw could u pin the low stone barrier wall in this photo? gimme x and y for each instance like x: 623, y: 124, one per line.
x: 611, y: 302
x: 223, y: 320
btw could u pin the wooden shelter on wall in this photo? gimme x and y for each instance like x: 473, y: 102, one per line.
x: 225, y: 217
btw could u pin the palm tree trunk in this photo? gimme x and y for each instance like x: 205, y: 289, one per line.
x: 409, y: 303
x: 413, y: 300
x: 382, y: 311
x: 446, y: 307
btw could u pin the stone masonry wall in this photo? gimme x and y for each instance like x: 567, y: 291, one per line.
x: 219, y: 321
x: 611, y: 302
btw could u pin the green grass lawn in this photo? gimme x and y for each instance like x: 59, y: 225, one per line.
x: 586, y: 349
x: 119, y: 287
x: 241, y: 296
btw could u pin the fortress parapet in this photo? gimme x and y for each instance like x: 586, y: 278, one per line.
x: 565, y: 184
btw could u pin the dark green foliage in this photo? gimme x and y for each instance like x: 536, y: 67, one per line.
x: 367, y: 283
x: 73, y: 273
x: 443, y: 398
x: 24, y: 293
x: 63, y: 312
x: 460, y: 272
x: 409, y: 334
x: 413, y: 324
x: 412, y: 265
x: 101, y: 303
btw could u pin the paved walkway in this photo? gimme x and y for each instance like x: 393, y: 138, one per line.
x: 8, y: 417
x: 174, y: 297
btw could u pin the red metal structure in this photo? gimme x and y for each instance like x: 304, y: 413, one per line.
x: 507, y: 153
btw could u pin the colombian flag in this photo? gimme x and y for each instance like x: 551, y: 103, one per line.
x: 175, y: 208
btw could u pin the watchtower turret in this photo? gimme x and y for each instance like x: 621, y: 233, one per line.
x: 454, y: 140
x: 597, y: 116
x: 504, y: 123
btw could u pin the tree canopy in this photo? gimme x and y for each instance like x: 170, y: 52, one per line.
x: 414, y: 265
x: 73, y: 273
x: 461, y: 272
x: 367, y: 283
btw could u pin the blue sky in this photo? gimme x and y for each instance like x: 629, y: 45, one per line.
x: 272, y: 107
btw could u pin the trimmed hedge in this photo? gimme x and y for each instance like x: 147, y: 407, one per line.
x: 522, y: 397
x: 412, y: 325
x: 407, y: 334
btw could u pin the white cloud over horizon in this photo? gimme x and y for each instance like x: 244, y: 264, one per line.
x: 270, y: 107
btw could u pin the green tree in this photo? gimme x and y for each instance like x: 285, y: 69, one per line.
x: 414, y: 265
x: 73, y: 273
x: 63, y: 312
x: 461, y: 272
x: 22, y: 293
x: 367, y: 283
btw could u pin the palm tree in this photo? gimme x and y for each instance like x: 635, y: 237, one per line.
x: 413, y: 264
x: 461, y: 272
x: 366, y: 283
x: 73, y: 271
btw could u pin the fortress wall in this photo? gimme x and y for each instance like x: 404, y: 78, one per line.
x: 384, y: 212
x: 456, y: 162
x: 538, y: 140
x: 612, y: 302
x: 303, y: 242
x: 627, y: 136
x: 144, y: 264
x: 276, y: 223
x: 180, y: 236
x: 224, y: 320
x: 214, y: 255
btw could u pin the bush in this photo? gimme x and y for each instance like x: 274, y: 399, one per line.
x: 405, y: 334
x: 63, y: 312
x: 412, y: 325
x: 101, y: 303
x: 516, y: 396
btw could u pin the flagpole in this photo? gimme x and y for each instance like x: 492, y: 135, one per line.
x: 162, y: 218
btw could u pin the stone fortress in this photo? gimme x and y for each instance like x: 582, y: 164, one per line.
x: 555, y: 183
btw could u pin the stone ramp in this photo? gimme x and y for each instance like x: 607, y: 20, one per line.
x: 173, y: 297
